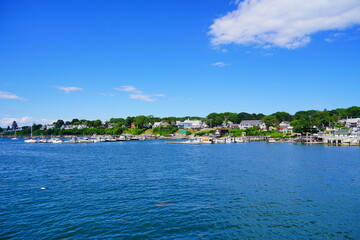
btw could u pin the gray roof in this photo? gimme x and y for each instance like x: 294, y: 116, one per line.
x: 251, y: 122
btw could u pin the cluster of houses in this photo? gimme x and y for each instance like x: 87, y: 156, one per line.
x: 199, y: 124
x: 352, y: 123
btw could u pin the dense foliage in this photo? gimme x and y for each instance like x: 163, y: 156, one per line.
x: 302, y: 121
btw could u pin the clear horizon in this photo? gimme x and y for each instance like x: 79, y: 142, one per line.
x: 98, y: 60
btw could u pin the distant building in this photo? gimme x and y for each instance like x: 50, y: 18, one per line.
x: 285, y: 127
x: 351, y: 122
x: 221, y: 132
x: 252, y: 123
x: 132, y: 125
x: 157, y: 124
x: 194, y: 124
x: 48, y: 126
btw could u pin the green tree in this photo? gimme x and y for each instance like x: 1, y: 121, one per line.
x: 271, y: 121
x: 283, y: 116
x: 59, y: 123
x: 141, y: 121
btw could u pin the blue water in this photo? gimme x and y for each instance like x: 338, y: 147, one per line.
x: 154, y: 190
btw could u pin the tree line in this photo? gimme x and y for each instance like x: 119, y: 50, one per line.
x: 302, y: 121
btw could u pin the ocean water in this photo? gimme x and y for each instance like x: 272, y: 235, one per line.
x: 154, y: 190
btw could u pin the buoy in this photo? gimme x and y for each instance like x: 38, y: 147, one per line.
x: 43, y: 188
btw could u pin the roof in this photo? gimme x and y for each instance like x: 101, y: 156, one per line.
x: 251, y: 122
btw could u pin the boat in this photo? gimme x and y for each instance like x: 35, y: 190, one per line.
x: 196, y: 141
x: 57, y: 140
x: 122, y: 138
x: 84, y: 140
x: 43, y: 140
x: 207, y: 141
x: 70, y: 141
x: 271, y: 140
x: 14, y: 138
x: 31, y: 140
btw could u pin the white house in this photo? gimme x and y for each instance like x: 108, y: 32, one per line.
x: 351, y: 122
x: 157, y: 124
x: 252, y: 123
x: 48, y: 126
x: 191, y: 124
x: 285, y: 127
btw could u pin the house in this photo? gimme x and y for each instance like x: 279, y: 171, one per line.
x: 191, y: 124
x: 157, y: 124
x: 48, y: 126
x: 180, y: 125
x: 351, y: 122
x: 68, y: 126
x: 132, y: 125
x: 285, y: 127
x: 252, y: 123
x: 221, y: 132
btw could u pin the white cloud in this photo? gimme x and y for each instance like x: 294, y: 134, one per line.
x: 143, y: 97
x: 12, y: 96
x: 126, y: 89
x: 24, y: 121
x: 285, y: 24
x: 69, y: 89
x: 220, y: 64
x: 159, y: 95
x: 334, y: 37
x: 137, y: 94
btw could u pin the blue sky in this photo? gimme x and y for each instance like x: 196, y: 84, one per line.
x: 103, y: 59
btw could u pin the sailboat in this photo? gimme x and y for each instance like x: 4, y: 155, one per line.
x: 14, y: 138
x: 31, y: 140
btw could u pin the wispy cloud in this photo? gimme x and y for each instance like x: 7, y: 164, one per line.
x: 139, y: 95
x: 143, y: 97
x: 107, y: 94
x: 126, y: 89
x: 12, y: 96
x: 285, y: 24
x: 24, y: 121
x: 334, y: 37
x: 69, y: 89
x: 219, y: 64
x: 159, y: 95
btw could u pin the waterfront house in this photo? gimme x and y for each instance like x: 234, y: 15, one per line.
x: 157, y: 124
x: 252, y: 123
x: 180, y: 125
x: 285, y: 127
x: 47, y: 126
x: 221, y: 132
x: 191, y: 124
x: 353, y: 123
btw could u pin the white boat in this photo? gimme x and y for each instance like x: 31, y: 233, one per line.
x: 70, y: 141
x: 14, y: 138
x: 84, y: 140
x: 57, y: 140
x: 122, y: 138
x: 31, y: 140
